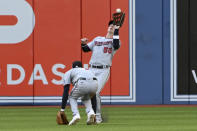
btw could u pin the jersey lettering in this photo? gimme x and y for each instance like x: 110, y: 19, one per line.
x: 100, y: 43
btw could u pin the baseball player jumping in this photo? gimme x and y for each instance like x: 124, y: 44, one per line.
x: 103, y: 50
x: 85, y: 85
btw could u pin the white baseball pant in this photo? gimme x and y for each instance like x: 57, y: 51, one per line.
x: 102, y: 76
x: 83, y: 89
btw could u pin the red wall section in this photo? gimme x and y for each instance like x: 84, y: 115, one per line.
x: 20, y: 54
x: 120, y: 66
x: 59, y: 26
x: 56, y: 40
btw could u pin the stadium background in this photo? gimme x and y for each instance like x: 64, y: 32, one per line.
x: 144, y: 70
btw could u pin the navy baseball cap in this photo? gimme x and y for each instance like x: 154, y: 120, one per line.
x: 76, y: 64
x: 110, y: 22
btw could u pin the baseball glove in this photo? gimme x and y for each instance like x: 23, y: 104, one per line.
x: 118, y: 18
x: 61, y: 118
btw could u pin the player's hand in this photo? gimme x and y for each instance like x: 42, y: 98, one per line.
x: 116, y: 27
x: 84, y: 41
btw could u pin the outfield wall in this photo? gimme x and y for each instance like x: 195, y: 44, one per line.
x: 39, y: 39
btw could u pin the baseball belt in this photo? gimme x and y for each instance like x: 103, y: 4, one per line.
x: 100, y: 67
x: 83, y: 78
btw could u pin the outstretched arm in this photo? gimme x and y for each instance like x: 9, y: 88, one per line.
x: 65, y: 96
x: 116, y: 41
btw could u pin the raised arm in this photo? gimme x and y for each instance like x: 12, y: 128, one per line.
x: 116, y: 41
x: 84, y: 45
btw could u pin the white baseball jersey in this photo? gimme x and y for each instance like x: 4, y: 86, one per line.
x: 71, y: 76
x: 102, y: 51
x: 82, y: 87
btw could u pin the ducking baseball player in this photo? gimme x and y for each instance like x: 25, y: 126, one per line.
x: 84, y: 86
x: 103, y: 50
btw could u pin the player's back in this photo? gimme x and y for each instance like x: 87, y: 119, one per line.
x: 81, y: 73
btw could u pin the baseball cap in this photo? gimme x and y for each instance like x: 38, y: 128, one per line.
x: 110, y: 22
x: 76, y: 64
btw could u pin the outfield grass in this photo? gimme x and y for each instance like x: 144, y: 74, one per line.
x: 117, y: 119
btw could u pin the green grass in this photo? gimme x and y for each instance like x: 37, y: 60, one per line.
x: 117, y: 119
